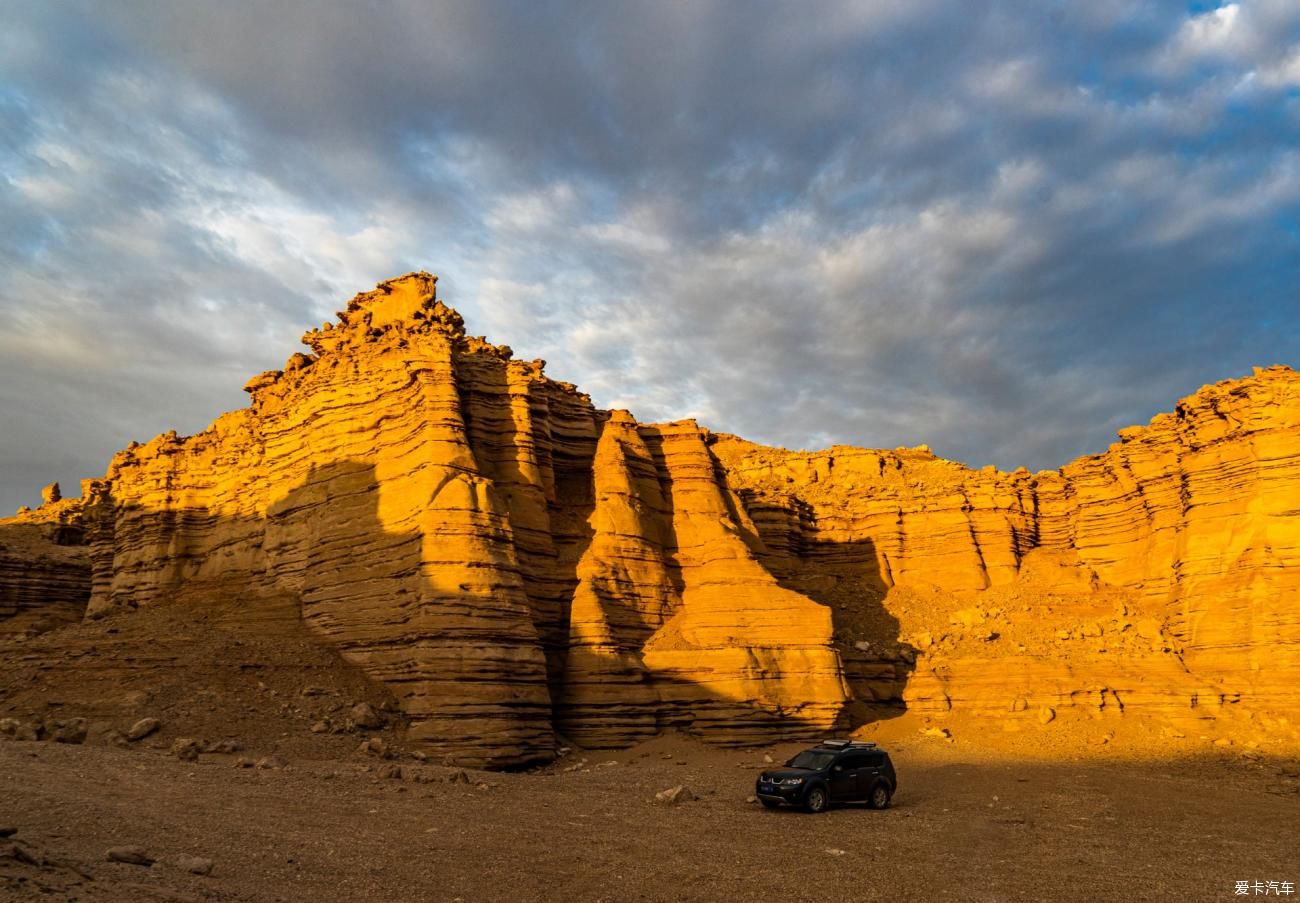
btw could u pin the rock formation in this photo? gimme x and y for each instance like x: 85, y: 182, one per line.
x: 509, y: 561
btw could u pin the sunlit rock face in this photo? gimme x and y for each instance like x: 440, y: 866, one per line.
x: 479, y: 539
x: 511, y: 562
x: 1160, y: 577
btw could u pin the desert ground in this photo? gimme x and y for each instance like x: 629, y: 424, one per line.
x: 963, y: 827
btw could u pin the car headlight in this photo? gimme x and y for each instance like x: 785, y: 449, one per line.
x: 794, y: 782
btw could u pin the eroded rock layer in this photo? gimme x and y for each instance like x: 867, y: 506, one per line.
x: 510, y: 562
x: 440, y: 512
x: 44, y: 566
x: 1162, y: 575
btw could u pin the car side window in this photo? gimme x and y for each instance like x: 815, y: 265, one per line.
x: 853, y: 762
x: 875, y: 760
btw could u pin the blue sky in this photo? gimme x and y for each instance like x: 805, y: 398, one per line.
x: 1001, y: 229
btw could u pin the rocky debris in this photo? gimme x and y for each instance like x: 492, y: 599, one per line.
x: 365, y: 716
x: 186, y: 749
x: 245, y: 762
x: 143, y: 728
x: 72, y: 730
x: 390, y: 772
x: 7, y: 831
x: 130, y: 855
x: 320, y: 727
x: 14, y: 729
x: 375, y: 746
x: 195, y: 865
x: 271, y: 763
x: 675, y: 795
x: 459, y: 776
x: 114, y: 737
x: 222, y: 747
x: 1046, y: 715
x: 20, y: 853
x: 51, y: 494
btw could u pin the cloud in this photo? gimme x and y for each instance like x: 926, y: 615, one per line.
x: 1004, y: 231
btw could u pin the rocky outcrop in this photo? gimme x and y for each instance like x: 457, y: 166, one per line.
x: 1161, y: 574
x: 44, y: 565
x: 509, y: 561
x: 438, y: 509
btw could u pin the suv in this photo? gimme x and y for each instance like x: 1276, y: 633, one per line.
x: 835, y: 771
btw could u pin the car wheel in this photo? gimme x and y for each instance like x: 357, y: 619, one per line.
x: 817, y: 800
x: 770, y: 804
x: 879, y: 798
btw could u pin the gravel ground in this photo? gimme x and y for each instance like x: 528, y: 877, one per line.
x: 587, y: 830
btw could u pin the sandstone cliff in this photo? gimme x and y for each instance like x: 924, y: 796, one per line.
x: 44, y: 566
x: 509, y: 561
x: 1159, y: 577
x: 437, y: 508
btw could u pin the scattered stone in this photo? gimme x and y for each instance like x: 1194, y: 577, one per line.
x: 391, y: 772
x: 834, y: 852
x: 114, y: 737
x: 143, y: 728
x: 131, y: 855
x: 364, y: 716
x: 8, y: 830
x: 375, y: 746
x: 459, y: 776
x: 941, y: 733
x: 767, y: 759
x: 751, y: 799
x: 244, y: 762
x: 186, y: 749
x: 1046, y: 715
x: 19, y: 853
x: 312, y: 691
x: 923, y: 641
x: 223, y: 747
x: 320, y: 727
x: 28, y: 731
x: 195, y: 865
x: 271, y: 762
x: 1019, y: 704
x: 674, y: 795
x: 419, y: 756
x: 73, y: 730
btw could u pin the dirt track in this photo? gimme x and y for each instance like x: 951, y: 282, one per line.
x: 331, y: 830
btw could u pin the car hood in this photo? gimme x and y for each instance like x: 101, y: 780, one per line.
x: 780, y: 774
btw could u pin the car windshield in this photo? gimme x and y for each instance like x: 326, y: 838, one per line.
x: 811, y: 759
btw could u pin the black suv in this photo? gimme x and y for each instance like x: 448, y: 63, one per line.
x: 836, y: 771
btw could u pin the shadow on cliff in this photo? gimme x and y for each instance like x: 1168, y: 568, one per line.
x: 845, y: 577
x: 454, y: 643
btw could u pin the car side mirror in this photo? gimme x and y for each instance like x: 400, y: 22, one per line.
x: 838, y: 768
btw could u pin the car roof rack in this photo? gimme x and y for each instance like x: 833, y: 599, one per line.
x: 862, y: 744
x: 835, y: 744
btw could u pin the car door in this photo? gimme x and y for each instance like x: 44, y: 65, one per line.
x: 872, y: 770
x: 844, y: 777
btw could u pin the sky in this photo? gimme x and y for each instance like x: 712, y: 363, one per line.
x: 1004, y: 230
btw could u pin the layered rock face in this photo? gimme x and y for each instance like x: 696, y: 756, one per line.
x: 1160, y: 576
x: 44, y: 565
x: 509, y: 561
x: 446, y: 518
